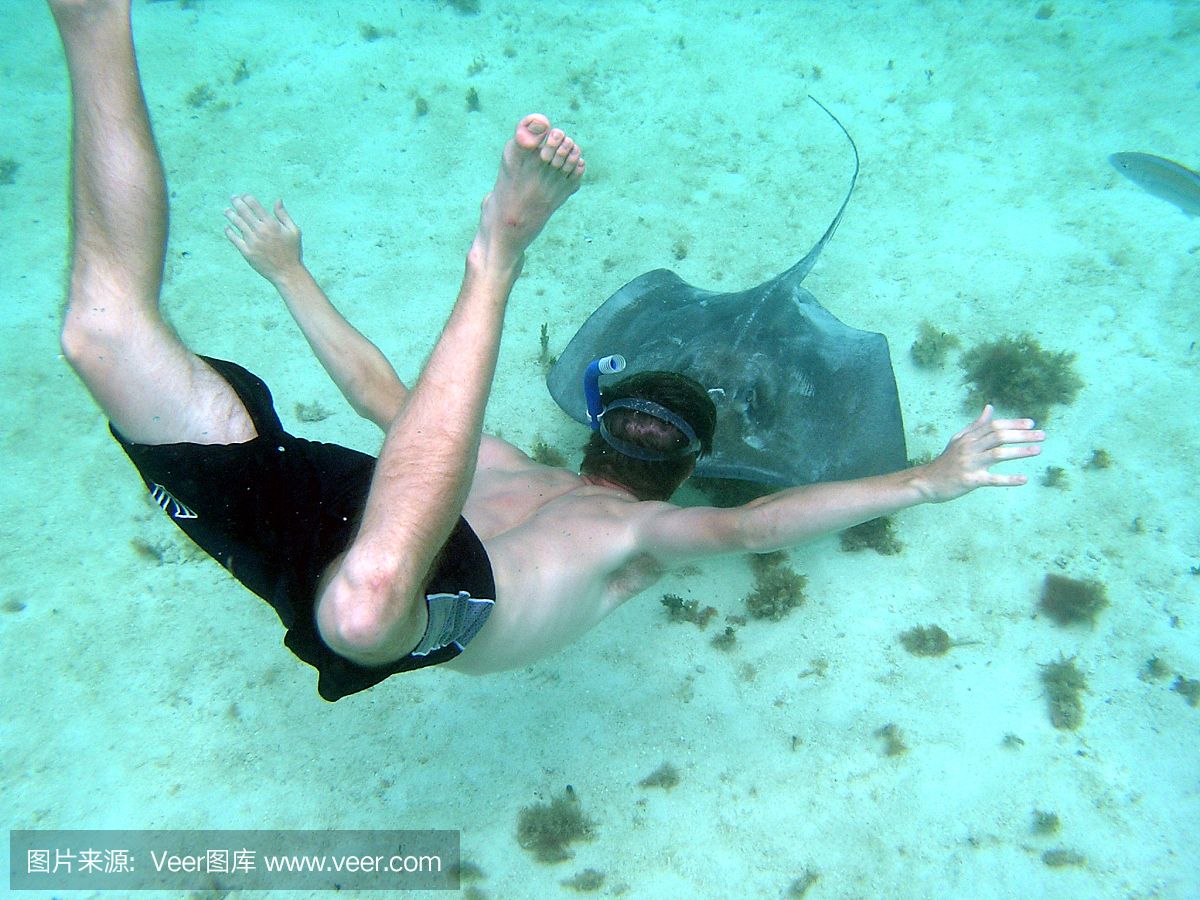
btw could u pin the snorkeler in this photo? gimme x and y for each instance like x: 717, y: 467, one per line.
x: 453, y: 547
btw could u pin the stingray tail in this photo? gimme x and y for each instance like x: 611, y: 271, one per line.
x: 800, y: 269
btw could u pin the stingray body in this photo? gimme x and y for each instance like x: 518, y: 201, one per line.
x: 800, y: 396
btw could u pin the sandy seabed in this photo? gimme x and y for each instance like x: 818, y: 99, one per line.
x: 153, y: 693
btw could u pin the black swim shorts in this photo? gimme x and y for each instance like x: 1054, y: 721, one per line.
x: 276, y: 510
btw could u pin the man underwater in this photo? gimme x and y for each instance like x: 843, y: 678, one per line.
x: 453, y: 547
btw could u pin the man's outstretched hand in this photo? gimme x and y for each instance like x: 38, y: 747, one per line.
x: 270, y: 243
x: 966, y: 462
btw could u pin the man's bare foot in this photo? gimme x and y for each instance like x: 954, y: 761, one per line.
x: 540, y: 168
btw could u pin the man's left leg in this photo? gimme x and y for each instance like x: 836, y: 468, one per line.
x: 152, y: 388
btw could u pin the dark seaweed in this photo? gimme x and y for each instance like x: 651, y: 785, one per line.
x: 1071, y: 600
x: 1064, y: 685
x: 548, y: 829
x: 926, y: 641
x: 1016, y: 374
x: 875, y: 534
x: 932, y: 346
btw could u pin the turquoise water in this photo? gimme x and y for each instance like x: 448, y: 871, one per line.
x: 153, y: 693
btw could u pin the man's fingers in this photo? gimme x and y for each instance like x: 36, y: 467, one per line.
x: 1007, y: 480
x: 236, y: 220
x: 282, y: 214
x: 252, y: 214
x: 243, y: 209
x: 257, y: 208
x: 985, y: 422
x: 1002, y: 454
x: 1016, y: 436
x: 237, y: 240
x: 1013, y: 424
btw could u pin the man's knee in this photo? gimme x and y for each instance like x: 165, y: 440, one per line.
x: 92, y: 339
x: 102, y: 316
x: 368, y: 624
x: 82, y: 346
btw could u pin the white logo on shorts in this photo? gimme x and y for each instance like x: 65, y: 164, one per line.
x: 170, y: 505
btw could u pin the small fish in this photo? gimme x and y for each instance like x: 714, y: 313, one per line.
x: 1162, y: 178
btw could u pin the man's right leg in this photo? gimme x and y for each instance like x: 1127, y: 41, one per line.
x: 152, y: 388
x: 371, y: 611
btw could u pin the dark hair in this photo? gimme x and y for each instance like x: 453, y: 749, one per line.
x: 648, y: 480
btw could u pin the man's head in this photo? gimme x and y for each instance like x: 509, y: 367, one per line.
x: 651, y: 479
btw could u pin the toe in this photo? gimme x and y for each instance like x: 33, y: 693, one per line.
x: 573, y: 157
x: 554, y: 139
x: 563, y: 153
x: 531, y: 130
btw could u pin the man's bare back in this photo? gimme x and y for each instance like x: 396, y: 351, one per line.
x: 562, y: 551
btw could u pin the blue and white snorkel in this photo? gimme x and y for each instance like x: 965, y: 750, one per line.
x: 611, y: 365
x: 607, y: 365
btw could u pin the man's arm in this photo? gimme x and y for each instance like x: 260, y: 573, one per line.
x: 800, y: 514
x: 271, y: 245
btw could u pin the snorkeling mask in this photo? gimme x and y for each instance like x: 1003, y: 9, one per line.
x: 611, y: 365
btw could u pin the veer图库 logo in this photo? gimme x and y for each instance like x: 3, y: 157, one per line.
x: 233, y: 860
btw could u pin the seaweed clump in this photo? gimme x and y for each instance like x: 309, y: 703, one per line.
x: 778, y: 588
x: 930, y: 640
x: 680, y: 610
x: 932, y: 346
x: 725, y: 640
x: 548, y: 829
x: 1061, y: 857
x: 1070, y: 600
x: 1055, y: 477
x: 545, y: 360
x: 542, y: 452
x: 1188, y: 688
x: 1064, y: 684
x: 893, y: 740
x: 1154, y: 670
x: 8, y: 170
x: 370, y: 33
x: 199, y: 96
x: 1017, y: 374
x: 876, y: 534
x: 665, y: 776
x: 1045, y: 823
x: 586, y: 882
x: 313, y: 412
x: 466, y: 871
x: 800, y: 886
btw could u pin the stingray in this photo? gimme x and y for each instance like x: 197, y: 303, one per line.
x: 800, y: 396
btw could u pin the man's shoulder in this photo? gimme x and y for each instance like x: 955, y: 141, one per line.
x: 674, y: 534
x: 497, y: 453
